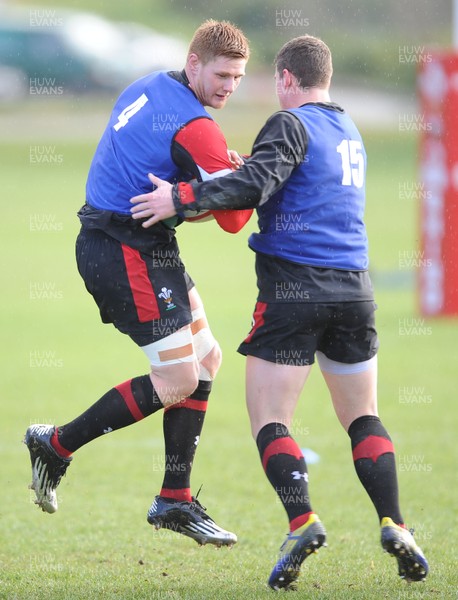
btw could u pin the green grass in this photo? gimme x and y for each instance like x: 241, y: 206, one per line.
x: 99, y: 545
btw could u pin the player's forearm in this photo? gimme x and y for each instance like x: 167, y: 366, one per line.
x: 278, y: 149
x: 217, y: 194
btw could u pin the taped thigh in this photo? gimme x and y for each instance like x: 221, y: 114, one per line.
x: 174, y: 349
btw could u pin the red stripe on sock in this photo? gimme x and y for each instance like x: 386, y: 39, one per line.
x: 372, y: 447
x: 140, y: 285
x: 58, y: 447
x: 189, y: 403
x: 182, y: 495
x: 126, y: 392
x: 299, y: 521
x: 284, y: 445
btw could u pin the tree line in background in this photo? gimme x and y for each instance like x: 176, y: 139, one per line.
x: 378, y: 41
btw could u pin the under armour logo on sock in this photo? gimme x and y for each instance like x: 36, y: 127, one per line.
x: 197, y: 440
x: 298, y: 475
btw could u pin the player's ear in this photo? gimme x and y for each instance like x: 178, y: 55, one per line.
x: 194, y: 62
x: 287, y: 78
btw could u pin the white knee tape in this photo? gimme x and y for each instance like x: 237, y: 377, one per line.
x: 338, y: 368
x: 202, y: 337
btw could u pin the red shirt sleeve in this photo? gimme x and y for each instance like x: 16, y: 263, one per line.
x: 200, y: 148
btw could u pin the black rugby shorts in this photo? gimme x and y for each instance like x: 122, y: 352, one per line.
x: 143, y: 295
x: 291, y: 333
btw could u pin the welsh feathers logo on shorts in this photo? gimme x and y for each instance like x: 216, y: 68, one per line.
x: 166, y: 295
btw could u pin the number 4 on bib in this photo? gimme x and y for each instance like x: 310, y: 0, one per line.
x: 130, y: 111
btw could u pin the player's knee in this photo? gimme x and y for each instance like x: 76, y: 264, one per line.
x: 177, y: 393
x: 172, y: 385
x: 183, y: 386
x: 206, y: 347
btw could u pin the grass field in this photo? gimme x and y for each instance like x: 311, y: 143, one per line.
x: 58, y: 358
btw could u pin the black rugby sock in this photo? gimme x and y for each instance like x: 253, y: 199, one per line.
x: 183, y: 424
x: 286, y: 470
x: 123, y: 405
x: 374, y: 460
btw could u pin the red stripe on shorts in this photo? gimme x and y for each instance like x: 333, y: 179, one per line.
x: 284, y: 445
x: 140, y: 285
x: 126, y: 392
x: 258, y: 317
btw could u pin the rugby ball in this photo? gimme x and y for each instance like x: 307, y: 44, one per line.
x: 197, y: 216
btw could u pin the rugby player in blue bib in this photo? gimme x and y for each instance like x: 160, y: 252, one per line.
x: 306, y: 178
x: 139, y: 282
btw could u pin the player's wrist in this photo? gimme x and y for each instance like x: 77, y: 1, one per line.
x: 183, y: 197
